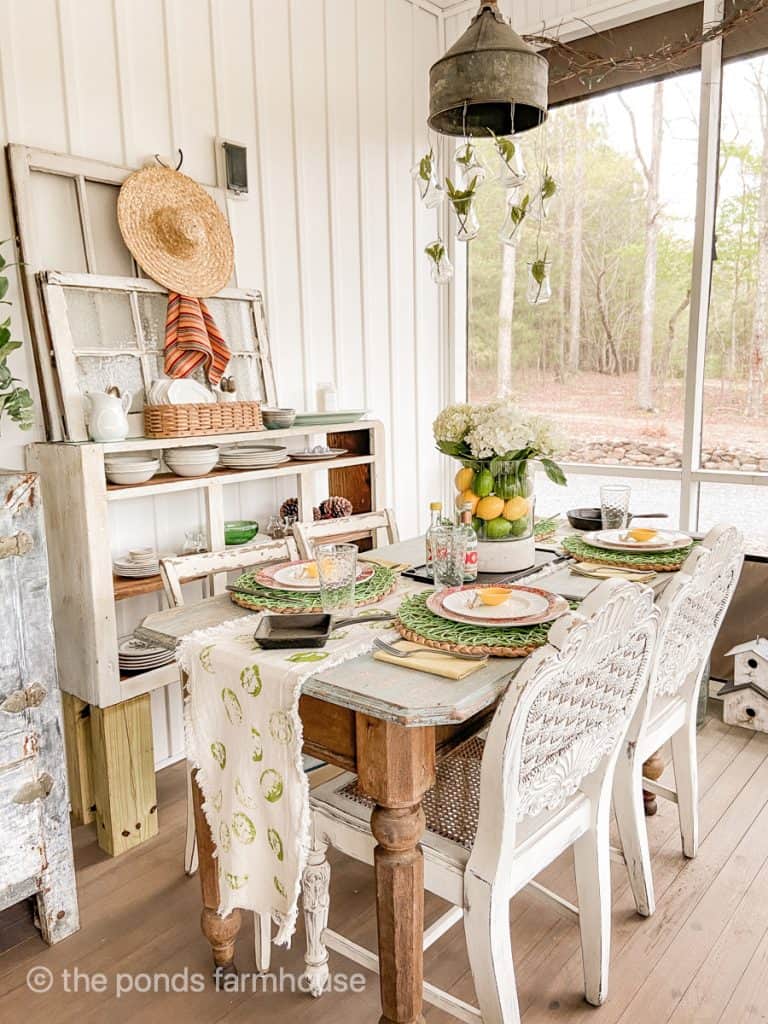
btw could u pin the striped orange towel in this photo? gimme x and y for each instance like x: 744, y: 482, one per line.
x: 192, y: 338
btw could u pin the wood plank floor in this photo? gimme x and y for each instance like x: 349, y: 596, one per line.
x: 701, y: 959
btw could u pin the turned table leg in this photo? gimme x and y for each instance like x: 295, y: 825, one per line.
x: 396, y: 766
x: 221, y: 932
x: 653, y: 769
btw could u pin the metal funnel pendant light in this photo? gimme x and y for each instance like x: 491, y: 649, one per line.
x: 489, y: 80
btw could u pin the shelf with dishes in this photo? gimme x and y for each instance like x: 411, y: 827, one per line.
x: 161, y: 483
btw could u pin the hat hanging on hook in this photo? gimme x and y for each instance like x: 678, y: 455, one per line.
x: 175, y: 231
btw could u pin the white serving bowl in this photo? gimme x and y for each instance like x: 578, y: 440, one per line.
x: 195, y: 467
x: 131, y: 474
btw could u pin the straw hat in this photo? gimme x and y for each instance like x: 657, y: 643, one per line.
x: 175, y: 231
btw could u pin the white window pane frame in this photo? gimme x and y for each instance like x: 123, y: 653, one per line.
x: 54, y: 287
x: 690, y: 475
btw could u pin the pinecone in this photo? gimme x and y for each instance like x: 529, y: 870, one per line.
x: 290, y: 507
x: 335, y: 508
x: 316, y: 514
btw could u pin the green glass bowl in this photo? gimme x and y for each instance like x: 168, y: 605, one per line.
x: 240, y: 531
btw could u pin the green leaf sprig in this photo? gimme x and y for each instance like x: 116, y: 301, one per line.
x: 425, y: 165
x: 435, y: 251
x: 15, y: 399
x: 466, y: 155
x: 504, y: 147
x: 461, y: 198
x: 548, y: 185
x: 518, y: 211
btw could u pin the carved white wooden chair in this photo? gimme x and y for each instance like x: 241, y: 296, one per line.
x: 214, y: 566
x: 692, y: 607
x: 329, y: 531
x: 503, y: 809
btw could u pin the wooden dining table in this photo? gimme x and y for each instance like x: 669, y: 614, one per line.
x: 389, y: 725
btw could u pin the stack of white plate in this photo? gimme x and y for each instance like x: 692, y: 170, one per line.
x: 130, y: 469
x: 194, y: 461
x: 138, y: 564
x: 165, y: 391
x: 136, y: 655
x: 253, y: 456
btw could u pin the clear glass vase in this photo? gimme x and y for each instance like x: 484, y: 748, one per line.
x: 512, y: 223
x: 466, y: 215
x: 502, y: 499
x: 424, y: 174
x: 512, y: 172
x: 468, y: 166
x: 440, y: 266
x: 539, y: 287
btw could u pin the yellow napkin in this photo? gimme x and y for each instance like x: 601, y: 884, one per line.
x: 435, y: 664
x: 384, y: 563
x: 599, y: 571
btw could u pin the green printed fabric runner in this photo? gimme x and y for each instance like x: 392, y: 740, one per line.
x: 586, y: 552
x: 251, y: 594
x: 414, y: 614
x: 244, y: 734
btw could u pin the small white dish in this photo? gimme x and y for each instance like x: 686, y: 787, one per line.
x: 123, y: 475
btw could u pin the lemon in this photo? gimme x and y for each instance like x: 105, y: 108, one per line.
x: 484, y: 483
x: 464, y: 479
x: 467, y: 498
x: 498, y: 529
x: 515, y: 508
x: 489, y: 508
x: 641, y: 533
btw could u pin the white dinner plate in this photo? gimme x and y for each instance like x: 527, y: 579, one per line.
x: 520, y: 604
x: 290, y: 577
x: 332, y: 453
x: 619, y: 540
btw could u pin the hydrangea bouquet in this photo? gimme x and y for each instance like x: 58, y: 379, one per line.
x: 496, y: 445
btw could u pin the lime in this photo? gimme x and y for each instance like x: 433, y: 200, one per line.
x: 477, y: 524
x: 498, y: 529
x: 483, y: 483
x: 519, y: 527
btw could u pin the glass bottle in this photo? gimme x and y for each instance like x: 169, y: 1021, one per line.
x: 436, y: 514
x: 470, y: 543
x: 440, y: 266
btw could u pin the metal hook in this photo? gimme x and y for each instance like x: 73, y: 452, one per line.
x: 164, y: 164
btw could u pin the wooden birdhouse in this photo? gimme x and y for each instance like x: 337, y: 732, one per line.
x: 745, y: 700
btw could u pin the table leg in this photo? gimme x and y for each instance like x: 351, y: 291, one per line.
x: 653, y: 769
x: 221, y: 932
x: 396, y: 766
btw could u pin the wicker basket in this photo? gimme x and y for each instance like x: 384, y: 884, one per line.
x: 199, y: 419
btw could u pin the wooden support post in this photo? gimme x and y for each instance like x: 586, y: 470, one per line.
x: 396, y: 766
x: 77, y: 739
x: 124, y: 774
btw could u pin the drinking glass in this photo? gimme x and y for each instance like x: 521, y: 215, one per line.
x: 614, y: 506
x: 449, y: 548
x: 337, y: 572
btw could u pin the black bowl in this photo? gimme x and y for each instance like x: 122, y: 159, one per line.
x: 585, y: 518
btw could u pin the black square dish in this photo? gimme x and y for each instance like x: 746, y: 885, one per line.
x: 283, y: 632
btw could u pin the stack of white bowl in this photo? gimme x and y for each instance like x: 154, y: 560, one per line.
x: 130, y: 469
x: 195, y: 461
x: 253, y: 456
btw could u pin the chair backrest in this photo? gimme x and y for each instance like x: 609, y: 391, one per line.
x: 215, y: 564
x: 351, y: 528
x: 693, y: 607
x: 563, y: 718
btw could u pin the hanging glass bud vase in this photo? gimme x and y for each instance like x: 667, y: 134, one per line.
x: 539, y: 289
x: 431, y: 192
x: 469, y: 165
x: 463, y: 203
x: 539, y: 209
x: 440, y: 266
x: 516, y: 214
x: 512, y: 170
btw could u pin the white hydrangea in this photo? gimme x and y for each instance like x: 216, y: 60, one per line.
x: 497, y: 428
x: 544, y: 435
x: 452, y: 423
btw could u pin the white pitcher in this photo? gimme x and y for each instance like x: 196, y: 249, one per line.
x: 107, y: 415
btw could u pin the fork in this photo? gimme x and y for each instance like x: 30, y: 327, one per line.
x: 388, y: 648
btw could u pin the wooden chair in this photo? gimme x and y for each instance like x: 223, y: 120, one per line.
x: 503, y: 809
x: 213, y: 566
x: 692, y: 607
x: 359, y: 527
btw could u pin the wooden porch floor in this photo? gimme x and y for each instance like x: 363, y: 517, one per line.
x: 703, y: 957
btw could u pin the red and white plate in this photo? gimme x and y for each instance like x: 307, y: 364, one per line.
x: 525, y: 606
x: 293, y: 576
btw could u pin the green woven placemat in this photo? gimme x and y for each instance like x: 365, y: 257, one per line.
x: 416, y: 622
x: 661, y: 561
x: 543, y: 528
x: 247, y: 592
